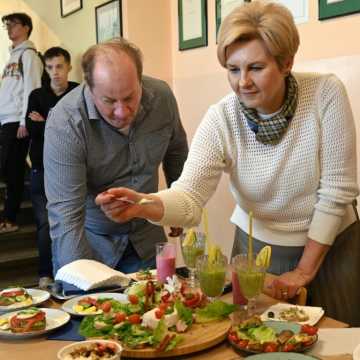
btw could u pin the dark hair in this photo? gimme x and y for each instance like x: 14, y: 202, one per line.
x: 22, y: 17
x: 57, y: 51
x: 106, y: 50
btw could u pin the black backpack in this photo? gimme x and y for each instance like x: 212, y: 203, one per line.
x: 45, y: 78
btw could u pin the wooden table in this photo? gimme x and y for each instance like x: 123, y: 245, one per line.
x: 41, y: 349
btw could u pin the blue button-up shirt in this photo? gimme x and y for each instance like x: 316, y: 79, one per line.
x: 84, y: 155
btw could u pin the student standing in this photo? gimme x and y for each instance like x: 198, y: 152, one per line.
x: 41, y: 100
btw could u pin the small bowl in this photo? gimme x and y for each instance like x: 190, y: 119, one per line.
x: 69, y: 348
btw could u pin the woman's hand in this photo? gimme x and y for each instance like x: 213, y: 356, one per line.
x: 122, y: 205
x: 286, y: 285
x: 35, y: 116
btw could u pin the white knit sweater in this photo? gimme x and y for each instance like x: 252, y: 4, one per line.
x: 301, y: 185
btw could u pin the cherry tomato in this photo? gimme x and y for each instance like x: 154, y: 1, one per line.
x: 159, y: 313
x: 163, y: 306
x: 13, y: 293
x: 270, y: 347
x: 308, y: 329
x: 119, y: 317
x: 134, y: 319
x: 243, y: 343
x: 192, y: 300
x: 289, y: 347
x: 133, y: 299
x: 233, y: 337
x: 106, y: 306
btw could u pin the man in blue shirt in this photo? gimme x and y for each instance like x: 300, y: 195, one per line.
x: 114, y: 130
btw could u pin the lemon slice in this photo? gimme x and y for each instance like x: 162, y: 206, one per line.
x: 214, y: 253
x: 190, y: 238
x: 263, y: 258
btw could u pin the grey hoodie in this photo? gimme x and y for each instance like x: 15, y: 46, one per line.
x: 15, y: 89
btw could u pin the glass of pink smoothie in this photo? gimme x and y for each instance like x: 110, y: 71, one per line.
x: 165, y: 260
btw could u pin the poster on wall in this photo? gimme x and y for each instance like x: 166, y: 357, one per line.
x: 223, y: 8
x: 108, y: 20
x: 68, y: 7
x: 298, y: 8
x: 192, y: 23
x: 333, y: 8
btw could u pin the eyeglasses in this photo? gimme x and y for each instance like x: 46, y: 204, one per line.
x: 10, y: 24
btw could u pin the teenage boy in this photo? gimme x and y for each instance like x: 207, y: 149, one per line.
x: 16, y: 85
x: 58, y: 65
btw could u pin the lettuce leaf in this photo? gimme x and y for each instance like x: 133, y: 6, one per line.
x: 184, y: 313
x: 214, y: 311
x: 174, y: 342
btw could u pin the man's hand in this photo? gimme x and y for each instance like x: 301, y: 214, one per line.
x: 35, y: 116
x: 122, y: 205
x: 22, y: 132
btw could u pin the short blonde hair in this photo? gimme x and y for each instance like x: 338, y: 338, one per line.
x: 107, y: 50
x: 270, y: 22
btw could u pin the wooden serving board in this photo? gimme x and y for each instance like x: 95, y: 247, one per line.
x: 199, y: 337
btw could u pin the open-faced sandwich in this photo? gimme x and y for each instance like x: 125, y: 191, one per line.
x: 31, y: 319
x: 15, y: 297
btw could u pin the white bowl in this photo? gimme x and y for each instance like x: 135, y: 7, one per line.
x: 69, y: 348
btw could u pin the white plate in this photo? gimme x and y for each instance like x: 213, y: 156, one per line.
x: 315, y: 313
x: 39, y: 296
x: 68, y: 306
x: 54, y: 319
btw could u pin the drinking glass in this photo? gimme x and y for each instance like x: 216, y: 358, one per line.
x: 165, y: 260
x: 191, y: 252
x: 251, y: 280
x: 211, y: 275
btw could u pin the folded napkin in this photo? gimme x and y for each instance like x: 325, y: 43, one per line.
x: 90, y: 274
x: 68, y: 332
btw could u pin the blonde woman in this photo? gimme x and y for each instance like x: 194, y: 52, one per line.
x: 287, y: 141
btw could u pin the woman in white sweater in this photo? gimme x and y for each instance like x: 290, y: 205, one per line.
x: 287, y: 141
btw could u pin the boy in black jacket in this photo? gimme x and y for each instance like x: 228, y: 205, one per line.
x: 41, y: 100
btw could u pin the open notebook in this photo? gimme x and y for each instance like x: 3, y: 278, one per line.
x: 90, y: 274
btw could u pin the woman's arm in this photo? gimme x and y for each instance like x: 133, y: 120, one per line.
x: 287, y: 284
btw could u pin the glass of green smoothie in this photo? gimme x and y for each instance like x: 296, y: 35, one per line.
x: 192, y: 246
x: 251, y: 280
x: 211, y: 275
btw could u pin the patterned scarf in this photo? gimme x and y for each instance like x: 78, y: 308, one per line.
x: 270, y: 131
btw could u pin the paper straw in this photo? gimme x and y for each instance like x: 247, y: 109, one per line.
x: 250, y: 239
x: 206, y: 230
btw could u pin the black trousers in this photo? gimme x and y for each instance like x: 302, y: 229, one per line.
x: 13, y: 156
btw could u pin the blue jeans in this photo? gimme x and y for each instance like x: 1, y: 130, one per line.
x: 39, y: 202
x: 130, y: 262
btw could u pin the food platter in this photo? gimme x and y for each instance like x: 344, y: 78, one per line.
x: 38, y: 297
x: 313, y: 313
x: 199, y: 337
x: 54, y: 319
x: 278, y: 327
x: 68, y: 305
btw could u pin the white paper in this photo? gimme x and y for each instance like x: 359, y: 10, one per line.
x: 90, y: 274
x: 298, y: 8
x: 191, y: 11
x: 336, y: 341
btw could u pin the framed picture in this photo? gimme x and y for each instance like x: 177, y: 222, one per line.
x: 108, y: 17
x: 333, y: 8
x: 68, y: 7
x: 223, y: 8
x: 192, y: 24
